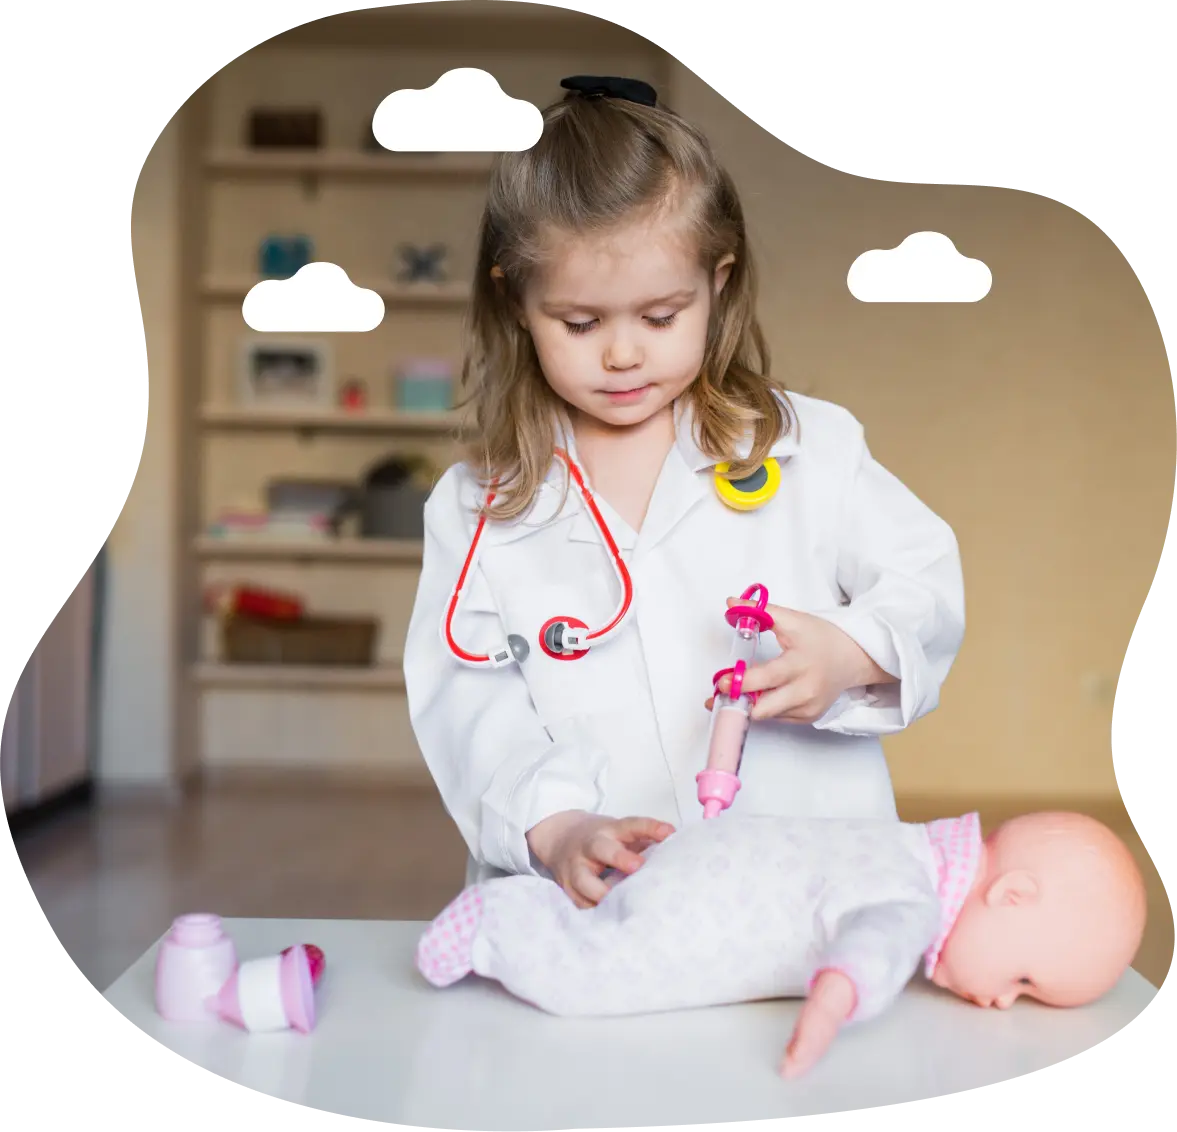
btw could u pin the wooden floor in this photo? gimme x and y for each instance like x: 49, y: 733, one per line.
x: 111, y: 879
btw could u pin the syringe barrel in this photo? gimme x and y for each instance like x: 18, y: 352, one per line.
x: 729, y: 729
x: 743, y: 647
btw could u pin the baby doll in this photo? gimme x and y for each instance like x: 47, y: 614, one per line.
x: 841, y: 912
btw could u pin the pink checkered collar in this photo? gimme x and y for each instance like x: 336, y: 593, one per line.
x: 956, y: 844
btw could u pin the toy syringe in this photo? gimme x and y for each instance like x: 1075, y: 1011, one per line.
x: 730, y: 712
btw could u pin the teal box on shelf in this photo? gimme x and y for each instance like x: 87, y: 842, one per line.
x: 424, y: 385
x: 280, y: 257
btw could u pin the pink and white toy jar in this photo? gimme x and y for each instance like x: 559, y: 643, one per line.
x: 274, y: 993
x: 193, y: 961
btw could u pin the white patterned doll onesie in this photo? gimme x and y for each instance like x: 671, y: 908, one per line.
x: 735, y: 909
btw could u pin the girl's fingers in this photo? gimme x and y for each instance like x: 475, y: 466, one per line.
x: 589, y: 885
x: 777, y: 703
x: 615, y: 855
x: 629, y: 830
x: 775, y: 673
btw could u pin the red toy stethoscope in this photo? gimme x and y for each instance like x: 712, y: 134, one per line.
x: 567, y: 638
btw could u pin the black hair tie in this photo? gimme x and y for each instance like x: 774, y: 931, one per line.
x: 609, y: 86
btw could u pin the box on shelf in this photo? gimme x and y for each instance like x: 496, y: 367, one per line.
x: 280, y: 526
x: 280, y: 257
x: 314, y: 641
x: 285, y: 127
x: 243, y: 599
x: 424, y: 385
x: 314, y: 503
x: 391, y: 503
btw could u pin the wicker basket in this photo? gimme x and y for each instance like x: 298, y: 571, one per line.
x: 306, y: 641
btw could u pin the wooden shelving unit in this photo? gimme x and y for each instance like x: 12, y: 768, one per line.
x: 357, y: 206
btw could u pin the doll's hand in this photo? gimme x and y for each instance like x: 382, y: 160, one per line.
x: 818, y: 662
x: 830, y: 1003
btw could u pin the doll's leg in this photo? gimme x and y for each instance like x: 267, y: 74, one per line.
x: 519, y: 905
x: 444, y: 951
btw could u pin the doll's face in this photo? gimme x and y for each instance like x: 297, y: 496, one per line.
x: 1057, y: 916
x: 1003, y: 946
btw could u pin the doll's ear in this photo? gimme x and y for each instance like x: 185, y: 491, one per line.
x: 1012, y: 889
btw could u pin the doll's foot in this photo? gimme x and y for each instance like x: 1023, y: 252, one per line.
x: 444, y: 954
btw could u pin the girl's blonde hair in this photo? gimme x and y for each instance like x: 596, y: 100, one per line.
x: 600, y: 162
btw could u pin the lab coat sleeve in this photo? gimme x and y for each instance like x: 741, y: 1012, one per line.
x: 899, y: 566
x: 498, y: 771
x: 879, y: 948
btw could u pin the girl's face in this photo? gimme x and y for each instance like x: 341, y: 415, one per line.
x: 619, y: 321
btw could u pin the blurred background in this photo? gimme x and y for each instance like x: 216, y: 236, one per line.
x: 216, y: 719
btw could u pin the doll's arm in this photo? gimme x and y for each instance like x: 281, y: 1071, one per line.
x: 899, y: 567
x: 870, y: 959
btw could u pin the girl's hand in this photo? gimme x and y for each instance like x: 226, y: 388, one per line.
x: 577, y: 847
x: 818, y: 662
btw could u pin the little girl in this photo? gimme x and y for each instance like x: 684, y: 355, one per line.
x: 614, y: 337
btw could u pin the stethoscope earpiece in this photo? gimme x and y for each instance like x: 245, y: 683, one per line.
x: 752, y: 491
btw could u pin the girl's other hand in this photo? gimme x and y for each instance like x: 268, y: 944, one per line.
x: 577, y: 847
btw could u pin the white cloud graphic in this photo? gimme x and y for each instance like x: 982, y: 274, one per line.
x: 925, y: 268
x: 318, y: 299
x: 464, y: 111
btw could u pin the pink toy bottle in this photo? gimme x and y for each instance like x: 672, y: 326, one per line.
x: 194, y: 960
x: 720, y: 781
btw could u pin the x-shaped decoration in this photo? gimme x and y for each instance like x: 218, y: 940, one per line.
x: 422, y: 264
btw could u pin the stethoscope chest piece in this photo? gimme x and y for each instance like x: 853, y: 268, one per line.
x: 552, y: 638
x: 752, y: 491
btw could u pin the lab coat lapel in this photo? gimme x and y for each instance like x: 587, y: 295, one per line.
x: 677, y: 492
x: 543, y: 516
x: 682, y: 483
x: 686, y: 478
x: 583, y: 528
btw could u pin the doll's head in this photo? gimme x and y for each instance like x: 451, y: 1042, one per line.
x: 1056, y: 913
x: 613, y: 277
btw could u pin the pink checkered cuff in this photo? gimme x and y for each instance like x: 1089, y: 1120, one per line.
x: 445, y: 951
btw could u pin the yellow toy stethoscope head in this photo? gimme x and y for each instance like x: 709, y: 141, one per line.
x: 752, y: 491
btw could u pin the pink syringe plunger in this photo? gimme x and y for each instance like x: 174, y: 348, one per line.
x: 720, y: 781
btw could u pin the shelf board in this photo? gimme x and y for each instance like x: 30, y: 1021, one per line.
x: 347, y: 164
x: 262, y: 548
x: 235, y: 288
x: 290, y: 677
x: 248, y: 419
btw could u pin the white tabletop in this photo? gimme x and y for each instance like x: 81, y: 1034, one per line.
x: 390, y: 1047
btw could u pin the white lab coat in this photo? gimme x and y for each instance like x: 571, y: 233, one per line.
x: 623, y: 730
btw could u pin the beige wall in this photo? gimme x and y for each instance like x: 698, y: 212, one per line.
x: 1039, y: 422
